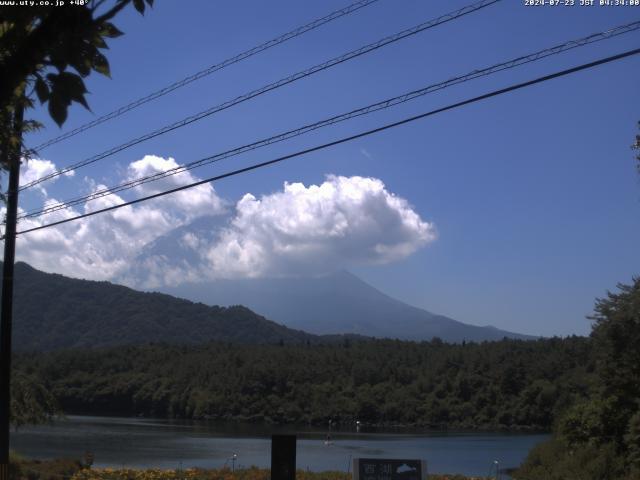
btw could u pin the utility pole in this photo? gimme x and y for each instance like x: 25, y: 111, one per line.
x: 11, y: 153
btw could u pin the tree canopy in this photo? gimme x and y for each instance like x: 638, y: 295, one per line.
x: 505, y: 384
x: 46, y: 52
x: 599, y: 436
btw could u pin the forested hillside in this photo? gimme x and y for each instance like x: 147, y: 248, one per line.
x: 599, y: 436
x: 510, y: 383
x: 52, y: 311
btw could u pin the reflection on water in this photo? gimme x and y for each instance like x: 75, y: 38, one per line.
x: 141, y: 442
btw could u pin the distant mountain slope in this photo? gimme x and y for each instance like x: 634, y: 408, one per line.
x: 52, y: 311
x: 338, y: 303
x: 335, y: 304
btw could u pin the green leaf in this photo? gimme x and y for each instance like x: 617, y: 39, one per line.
x: 109, y: 30
x: 82, y: 101
x: 58, y: 109
x: 31, y: 126
x: 58, y: 56
x: 66, y: 88
x: 101, y: 64
x: 42, y: 89
x: 82, y: 66
x: 75, y: 88
x: 139, y: 5
x: 70, y: 83
x: 98, y: 41
x: 81, y: 59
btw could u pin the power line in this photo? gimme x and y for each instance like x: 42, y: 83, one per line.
x: 211, y: 69
x: 522, y: 60
x: 284, y: 81
x: 347, y: 139
x: 272, y: 86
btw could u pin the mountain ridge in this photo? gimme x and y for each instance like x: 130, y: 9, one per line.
x: 339, y: 303
x: 52, y: 311
x: 335, y: 303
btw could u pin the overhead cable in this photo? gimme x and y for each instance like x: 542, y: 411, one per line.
x: 209, y: 70
x: 390, y: 102
x: 272, y: 86
x: 345, y: 139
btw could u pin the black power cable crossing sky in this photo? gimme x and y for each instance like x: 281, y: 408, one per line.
x: 390, y: 102
x: 479, y: 98
x: 209, y: 70
x: 272, y: 86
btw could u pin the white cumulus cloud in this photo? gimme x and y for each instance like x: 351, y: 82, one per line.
x: 102, y: 246
x: 317, y: 229
x: 34, y: 169
x: 37, y: 168
x: 200, y: 200
x: 300, y: 230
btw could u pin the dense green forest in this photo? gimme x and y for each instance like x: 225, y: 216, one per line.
x: 510, y: 384
x: 587, y: 390
x: 598, y: 437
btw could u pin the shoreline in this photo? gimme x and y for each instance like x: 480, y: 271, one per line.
x: 32, y: 469
x: 141, y: 443
x: 347, y: 427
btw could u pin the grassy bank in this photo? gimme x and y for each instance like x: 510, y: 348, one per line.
x: 23, y: 469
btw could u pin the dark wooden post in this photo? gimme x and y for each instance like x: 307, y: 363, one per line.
x: 283, y: 457
x: 12, y: 157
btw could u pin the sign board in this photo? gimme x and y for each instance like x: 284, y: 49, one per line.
x: 389, y: 469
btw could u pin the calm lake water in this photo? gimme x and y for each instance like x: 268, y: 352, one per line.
x: 140, y: 442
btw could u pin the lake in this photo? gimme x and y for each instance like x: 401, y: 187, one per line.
x: 142, y: 442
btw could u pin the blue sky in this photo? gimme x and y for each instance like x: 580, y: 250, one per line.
x: 534, y: 195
